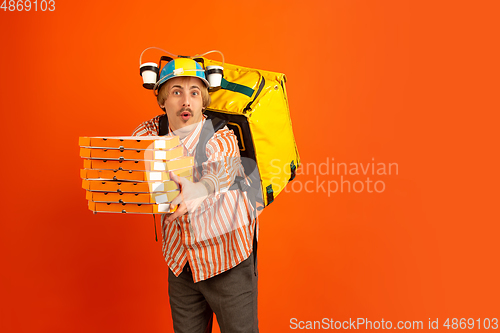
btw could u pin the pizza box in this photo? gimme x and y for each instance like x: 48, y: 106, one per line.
x: 139, y: 165
x: 137, y: 198
x: 101, y: 207
x: 116, y: 154
x: 130, y: 142
x: 130, y: 175
x: 130, y: 187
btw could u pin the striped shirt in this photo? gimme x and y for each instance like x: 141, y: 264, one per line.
x: 219, y: 234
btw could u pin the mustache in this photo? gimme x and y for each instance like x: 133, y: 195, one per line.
x: 184, y: 109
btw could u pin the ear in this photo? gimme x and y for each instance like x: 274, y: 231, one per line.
x: 162, y: 107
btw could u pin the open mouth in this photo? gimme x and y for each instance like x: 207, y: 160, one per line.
x: 185, y: 115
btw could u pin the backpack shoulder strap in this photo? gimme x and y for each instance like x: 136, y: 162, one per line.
x: 163, y: 126
x: 211, y: 126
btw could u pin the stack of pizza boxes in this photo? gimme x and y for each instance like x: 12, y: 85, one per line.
x: 131, y: 174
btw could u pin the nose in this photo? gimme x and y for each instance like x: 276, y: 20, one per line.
x: 186, y: 102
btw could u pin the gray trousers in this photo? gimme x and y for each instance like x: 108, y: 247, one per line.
x: 231, y: 295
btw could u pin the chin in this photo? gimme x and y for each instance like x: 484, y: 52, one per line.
x: 188, y: 123
x: 193, y: 120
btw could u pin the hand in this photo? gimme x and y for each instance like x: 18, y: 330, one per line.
x: 189, y: 199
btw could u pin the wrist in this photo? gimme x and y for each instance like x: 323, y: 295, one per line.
x: 207, y: 186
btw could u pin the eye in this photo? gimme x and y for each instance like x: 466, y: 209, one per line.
x: 195, y: 93
x: 176, y: 92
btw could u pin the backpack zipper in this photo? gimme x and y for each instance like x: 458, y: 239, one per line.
x: 261, y: 86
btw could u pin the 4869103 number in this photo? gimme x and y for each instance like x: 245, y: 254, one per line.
x: 27, y: 5
x: 469, y: 323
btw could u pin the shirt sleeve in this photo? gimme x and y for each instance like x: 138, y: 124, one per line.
x: 148, y: 128
x: 223, y: 161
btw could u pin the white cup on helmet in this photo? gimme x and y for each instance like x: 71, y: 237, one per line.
x: 214, y: 75
x: 149, y: 72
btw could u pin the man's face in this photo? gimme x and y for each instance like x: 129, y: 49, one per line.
x: 184, y: 104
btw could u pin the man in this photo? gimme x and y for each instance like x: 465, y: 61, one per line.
x: 208, y: 241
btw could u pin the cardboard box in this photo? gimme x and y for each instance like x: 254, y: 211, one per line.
x: 178, y: 163
x: 117, y: 165
x: 130, y: 142
x: 164, y: 197
x: 99, y: 207
x: 116, y: 154
x: 131, y: 174
x: 139, y: 176
x: 129, y: 187
x: 175, y: 164
x: 137, y: 198
x: 164, y: 186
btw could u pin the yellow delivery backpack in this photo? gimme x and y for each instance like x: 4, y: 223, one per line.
x: 255, y: 106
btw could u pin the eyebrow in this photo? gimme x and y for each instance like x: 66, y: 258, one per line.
x: 192, y: 87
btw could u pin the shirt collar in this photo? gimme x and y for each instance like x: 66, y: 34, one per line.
x: 191, y: 140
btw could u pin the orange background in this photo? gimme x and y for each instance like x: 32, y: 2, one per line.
x: 404, y: 82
